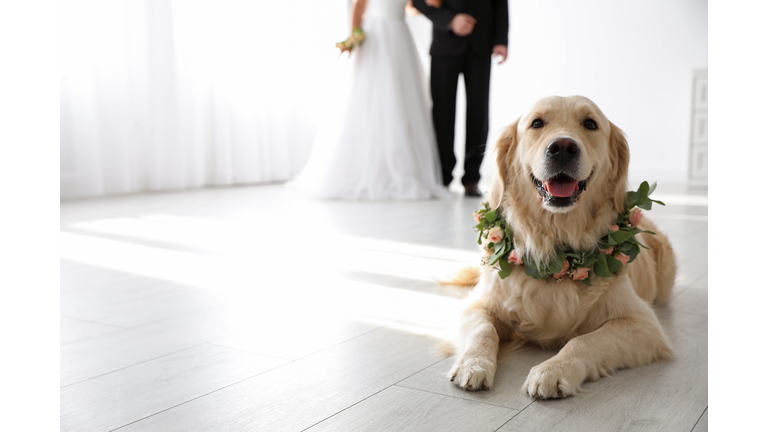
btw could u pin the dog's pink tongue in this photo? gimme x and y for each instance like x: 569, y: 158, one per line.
x: 562, y: 189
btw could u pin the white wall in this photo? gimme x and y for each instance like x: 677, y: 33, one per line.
x: 633, y: 58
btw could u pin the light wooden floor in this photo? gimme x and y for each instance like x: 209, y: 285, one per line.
x: 252, y: 309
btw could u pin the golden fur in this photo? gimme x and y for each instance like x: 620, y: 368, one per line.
x: 600, y: 327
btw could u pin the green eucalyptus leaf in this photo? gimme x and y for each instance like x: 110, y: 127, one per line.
x: 652, y: 188
x: 631, y: 199
x: 499, y: 251
x: 590, y: 261
x: 531, y: 270
x: 601, y: 267
x: 620, y: 236
x: 561, y: 256
x: 491, y: 216
x: 642, y: 192
x: 645, y: 205
x: 505, y: 268
x: 614, y: 265
x: 632, y: 252
x: 659, y: 202
x: 556, y: 264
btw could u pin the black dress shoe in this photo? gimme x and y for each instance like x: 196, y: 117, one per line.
x: 471, y: 190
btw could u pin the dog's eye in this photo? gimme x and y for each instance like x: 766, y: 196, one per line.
x: 590, y: 124
x: 538, y: 123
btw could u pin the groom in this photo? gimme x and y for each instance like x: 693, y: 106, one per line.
x: 465, y: 34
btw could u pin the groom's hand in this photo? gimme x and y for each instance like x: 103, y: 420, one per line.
x: 500, y: 50
x: 463, y: 24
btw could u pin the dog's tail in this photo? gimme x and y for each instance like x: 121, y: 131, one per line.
x: 466, y: 277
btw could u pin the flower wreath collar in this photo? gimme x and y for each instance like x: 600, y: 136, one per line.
x: 616, y: 249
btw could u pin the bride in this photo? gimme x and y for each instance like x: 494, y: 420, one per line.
x: 385, y: 148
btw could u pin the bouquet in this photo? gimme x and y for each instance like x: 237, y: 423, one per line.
x: 355, y: 39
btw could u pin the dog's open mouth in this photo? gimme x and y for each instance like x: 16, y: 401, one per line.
x: 560, y: 190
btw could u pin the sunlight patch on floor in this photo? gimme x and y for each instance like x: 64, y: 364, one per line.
x: 232, y: 244
x: 392, y: 281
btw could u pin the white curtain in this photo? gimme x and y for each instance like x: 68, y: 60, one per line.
x: 164, y: 94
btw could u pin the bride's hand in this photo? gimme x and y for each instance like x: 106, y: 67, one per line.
x: 343, y: 48
x: 434, y: 3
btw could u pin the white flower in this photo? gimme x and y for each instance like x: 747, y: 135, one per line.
x: 496, y: 234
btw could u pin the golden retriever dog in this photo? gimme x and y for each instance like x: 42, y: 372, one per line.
x: 562, y: 179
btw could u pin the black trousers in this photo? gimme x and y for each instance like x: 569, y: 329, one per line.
x: 444, y: 81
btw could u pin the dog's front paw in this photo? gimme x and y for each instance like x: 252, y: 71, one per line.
x: 554, y: 379
x: 472, y: 373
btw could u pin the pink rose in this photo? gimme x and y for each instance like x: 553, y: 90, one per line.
x: 635, y: 216
x: 581, y: 273
x: 495, y: 234
x: 478, y: 216
x: 563, y: 271
x: 623, y: 258
x: 607, y: 251
x: 514, y: 258
x: 614, y: 228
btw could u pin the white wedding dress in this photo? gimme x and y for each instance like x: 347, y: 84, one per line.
x: 385, y: 147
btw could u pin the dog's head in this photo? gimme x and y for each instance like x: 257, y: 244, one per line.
x: 562, y: 162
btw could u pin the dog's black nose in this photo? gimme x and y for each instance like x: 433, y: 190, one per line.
x: 562, y: 150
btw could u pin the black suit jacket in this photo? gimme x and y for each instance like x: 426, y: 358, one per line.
x: 491, y: 28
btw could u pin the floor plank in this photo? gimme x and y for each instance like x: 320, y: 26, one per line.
x: 74, y: 330
x: 693, y: 299
x: 112, y: 292
x: 113, y: 351
x: 302, y: 393
x: 155, y: 307
x: 296, y: 338
x: 113, y: 400
x: 404, y: 410
x: 702, y: 425
x: 82, y: 277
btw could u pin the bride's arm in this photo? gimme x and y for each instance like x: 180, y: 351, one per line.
x: 358, y: 9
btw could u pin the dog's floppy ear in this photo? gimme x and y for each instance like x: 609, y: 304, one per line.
x: 505, y: 148
x: 620, y: 163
